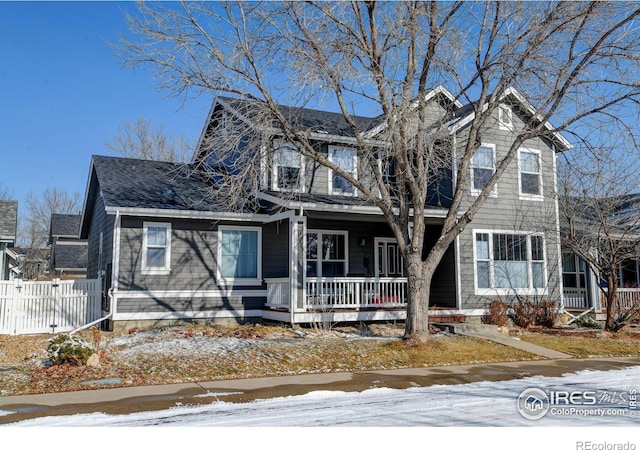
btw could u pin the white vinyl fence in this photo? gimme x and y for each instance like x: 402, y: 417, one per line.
x: 32, y: 307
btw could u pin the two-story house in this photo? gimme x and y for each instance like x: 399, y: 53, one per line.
x: 309, y: 247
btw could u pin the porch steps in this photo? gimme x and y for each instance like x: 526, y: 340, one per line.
x: 491, y: 333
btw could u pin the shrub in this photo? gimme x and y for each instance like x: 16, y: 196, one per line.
x: 547, y: 313
x: 498, y: 313
x: 588, y: 322
x: 524, y: 313
x: 69, y: 348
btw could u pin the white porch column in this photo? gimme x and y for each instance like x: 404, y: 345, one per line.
x: 297, y: 233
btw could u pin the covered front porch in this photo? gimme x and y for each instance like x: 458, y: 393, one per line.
x: 345, y: 268
x: 344, y: 298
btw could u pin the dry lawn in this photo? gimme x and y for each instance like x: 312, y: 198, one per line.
x: 204, y: 353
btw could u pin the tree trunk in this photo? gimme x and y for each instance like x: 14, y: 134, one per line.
x: 611, y: 323
x: 419, y: 276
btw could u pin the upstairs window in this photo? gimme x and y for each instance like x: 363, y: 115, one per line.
x: 530, y: 178
x: 483, y: 165
x: 346, y: 159
x: 156, y: 248
x: 287, y: 170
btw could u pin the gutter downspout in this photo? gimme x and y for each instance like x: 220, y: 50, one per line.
x: 89, y: 325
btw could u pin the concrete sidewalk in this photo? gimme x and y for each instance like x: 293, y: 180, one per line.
x: 147, y: 398
x: 491, y: 333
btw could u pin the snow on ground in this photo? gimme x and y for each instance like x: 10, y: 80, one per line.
x: 469, y: 405
x: 425, y: 415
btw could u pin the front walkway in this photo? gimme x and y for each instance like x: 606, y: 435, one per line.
x: 491, y: 333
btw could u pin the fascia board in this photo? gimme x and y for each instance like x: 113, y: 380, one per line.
x: 177, y: 214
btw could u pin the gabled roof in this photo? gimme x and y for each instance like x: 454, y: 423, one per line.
x: 70, y: 257
x: 304, y: 119
x: 65, y: 225
x: 150, y: 188
x: 333, y: 125
x: 622, y: 214
x: 8, y: 220
x: 136, y: 183
x: 465, y: 115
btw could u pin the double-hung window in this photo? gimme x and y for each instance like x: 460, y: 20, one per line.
x: 509, y: 261
x: 326, y: 253
x: 530, y: 179
x: 288, y: 169
x: 483, y: 165
x: 346, y: 159
x: 156, y: 248
x: 239, y: 255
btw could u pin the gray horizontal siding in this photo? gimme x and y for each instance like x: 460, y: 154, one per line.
x: 508, y: 212
x: 181, y: 305
x: 193, y: 255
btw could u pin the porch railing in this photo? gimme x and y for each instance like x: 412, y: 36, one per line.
x: 628, y: 297
x: 340, y: 293
x: 575, y: 298
x: 278, y: 293
x: 355, y: 292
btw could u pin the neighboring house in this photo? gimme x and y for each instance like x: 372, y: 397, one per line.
x: 311, y: 249
x: 8, y: 230
x: 34, y: 263
x: 68, y: 256
x: 616, y: 222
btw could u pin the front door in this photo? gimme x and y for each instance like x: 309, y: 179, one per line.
x: 389, y: 262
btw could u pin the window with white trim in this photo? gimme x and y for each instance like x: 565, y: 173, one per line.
x: 508, y: 261
x: 239, y: 255
x: 346, y: 159
x: 530, y: 176
x: 326, y: 253
x: 573, y: 271
x: 287, y: 169
x: 156, y: 248
x: 505, y: 117
x: 483, y: 165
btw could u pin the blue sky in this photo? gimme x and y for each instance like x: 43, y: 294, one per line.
x: 63, y: 93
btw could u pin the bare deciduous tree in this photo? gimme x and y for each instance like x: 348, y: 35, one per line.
x: 5, y: 193
x: 572, y: 60
x: 600, y: 209
x: 39, y: 208
x: 143, y: 140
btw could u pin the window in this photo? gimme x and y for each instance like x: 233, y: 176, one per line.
x: 505, y: 117
x: 156, y: 248
x: 573, y: 271
x: 239, y: 255
x: 530, y: 179
x: 507, y: 261
x: 287, y: 170
x: 326, y: 253
x: 483, y: 165
x: 628, y: 273
x: 346, y: 159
